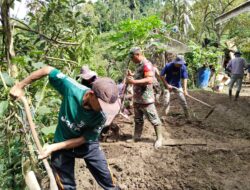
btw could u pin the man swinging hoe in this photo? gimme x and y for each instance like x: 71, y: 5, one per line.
x: 82, y: 115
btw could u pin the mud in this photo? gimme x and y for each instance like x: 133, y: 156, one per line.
x: 220, y: 162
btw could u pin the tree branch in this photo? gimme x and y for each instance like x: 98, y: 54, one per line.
x: 58, y: 59
x: 21, y: 22
x: 228, y: 4
x: 27, y: 28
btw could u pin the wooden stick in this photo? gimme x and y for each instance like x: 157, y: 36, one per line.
x: 58, y: 59
x: 53, y: 185
x: 204, y: 103
x: 1, y: 76
x: 124, y: 93
x: 31, y: 181
x: 47, y: 38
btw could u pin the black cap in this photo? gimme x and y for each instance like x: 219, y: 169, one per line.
x: 237, y: 53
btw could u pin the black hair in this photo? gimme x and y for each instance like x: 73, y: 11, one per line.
x: 89, y: 82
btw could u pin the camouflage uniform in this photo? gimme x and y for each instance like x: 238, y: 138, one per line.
x: 156, y: 85
x: 144, y: 100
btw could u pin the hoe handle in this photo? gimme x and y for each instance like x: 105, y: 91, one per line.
x: 204, y: 103
x: 193, y: 98
x: 53, y: 185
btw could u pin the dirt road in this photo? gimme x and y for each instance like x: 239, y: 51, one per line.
x: 220, y: 161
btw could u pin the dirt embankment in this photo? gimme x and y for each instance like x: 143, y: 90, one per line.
x: 216, y: 154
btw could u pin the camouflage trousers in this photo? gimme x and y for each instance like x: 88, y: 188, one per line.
x: 148, y: 110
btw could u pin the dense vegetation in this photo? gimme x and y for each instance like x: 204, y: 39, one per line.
x: 70, y: 33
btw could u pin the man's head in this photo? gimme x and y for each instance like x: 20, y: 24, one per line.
x: 135, y: 54
x: 104, y: 97
x: 237, y: 54
x: 87, y: 76
x: 179, y: 61
x: 120, y: 80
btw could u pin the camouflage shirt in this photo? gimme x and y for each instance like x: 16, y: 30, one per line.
x: 143, y: 94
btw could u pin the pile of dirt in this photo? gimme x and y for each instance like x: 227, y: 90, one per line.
x: 221, y: 161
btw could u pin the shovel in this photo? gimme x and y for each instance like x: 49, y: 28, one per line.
x: 53, y: 185
x: 197, y: 100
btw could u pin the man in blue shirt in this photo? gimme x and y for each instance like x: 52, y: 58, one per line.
x: 171, y: 75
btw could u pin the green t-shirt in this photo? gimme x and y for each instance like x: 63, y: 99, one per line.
x: 74, y: 120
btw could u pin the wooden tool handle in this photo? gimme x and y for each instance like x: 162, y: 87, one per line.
x: 204, y: 103
x: 124, y: 90
x: 124, y: 93
x: 53, y: 185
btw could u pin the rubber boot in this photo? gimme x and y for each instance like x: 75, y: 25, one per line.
x: 159, y: 138
x: 187, y: 115
x: 137, y: 134
x: 230, y: 94
x: 237, y: 95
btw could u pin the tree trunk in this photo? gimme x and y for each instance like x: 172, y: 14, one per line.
x: 8, y: 37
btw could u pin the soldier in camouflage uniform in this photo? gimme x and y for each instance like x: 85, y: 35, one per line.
x: 142, y: 82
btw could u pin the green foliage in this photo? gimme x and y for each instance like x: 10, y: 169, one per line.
x: 131, y: 33
x: 48, y: 133
x: 202, y: 56
x: 11, y: 143
x: 8, y: 80
x: 199, y: 57
x: 103, y: 32
x: 3, y: 108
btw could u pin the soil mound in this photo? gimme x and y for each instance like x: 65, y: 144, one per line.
x: 207, y: 154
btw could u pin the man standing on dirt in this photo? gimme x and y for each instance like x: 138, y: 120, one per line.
x: 236, y: 66
x: 142, y: 82
x: 82, y: 116
x: 172, y: 74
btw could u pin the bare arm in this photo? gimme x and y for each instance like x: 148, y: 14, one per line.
x: 148, y: 79
x: 144, y: 81
x: 185, y: 86
x: 35, y: 76
x: 168, y: 86
x: 72, y: 143
x: 17, y: 89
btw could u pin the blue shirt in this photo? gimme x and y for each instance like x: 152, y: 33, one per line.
x: 174, y: 74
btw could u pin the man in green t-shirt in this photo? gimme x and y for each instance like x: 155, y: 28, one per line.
x: 82, y: 115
